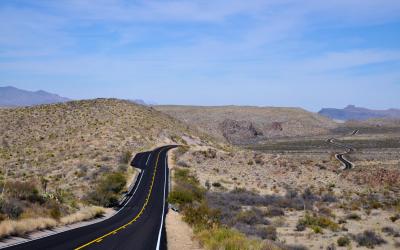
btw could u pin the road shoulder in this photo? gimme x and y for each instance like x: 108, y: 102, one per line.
x: 179, y: 234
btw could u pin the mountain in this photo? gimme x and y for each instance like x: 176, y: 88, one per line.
x: 247, y: 125
x: 352, y: 112
x: 13, y: 97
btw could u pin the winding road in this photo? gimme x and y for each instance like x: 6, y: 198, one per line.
x: 139, y: 223
x: 348, y: 149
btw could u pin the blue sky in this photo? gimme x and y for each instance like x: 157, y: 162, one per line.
x: 309, y: 54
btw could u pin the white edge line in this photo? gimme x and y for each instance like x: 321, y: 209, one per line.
x: 163, y: 211
x: 63, y: 231
x: 148, y: 158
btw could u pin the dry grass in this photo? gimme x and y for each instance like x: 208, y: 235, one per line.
x: 84, y: 214
x: 25, y: 226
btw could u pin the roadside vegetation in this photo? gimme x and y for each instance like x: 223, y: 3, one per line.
x: 218, y: 219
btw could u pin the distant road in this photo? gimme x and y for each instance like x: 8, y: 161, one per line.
x: 139, y: 224
x: 348, y: 149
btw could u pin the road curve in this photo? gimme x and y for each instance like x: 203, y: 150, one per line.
x: 139, y: 224
x: 341, y: 157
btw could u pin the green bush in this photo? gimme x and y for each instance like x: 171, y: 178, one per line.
x: 187, y: 190
x: 313, y: 221
x: 108, y: 189
x: 228, y: 239
x: 201, y: 216
x: 181, y: 196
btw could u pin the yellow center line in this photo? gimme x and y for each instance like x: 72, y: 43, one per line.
x: 136, y: 217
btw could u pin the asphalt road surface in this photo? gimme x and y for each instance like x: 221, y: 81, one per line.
x: 140, y: 222
x: 341, y: 157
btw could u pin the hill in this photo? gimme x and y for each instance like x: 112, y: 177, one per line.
x: 13, y: 97
x: 57, y: 158
x: 352, y: 112
x: 244, y: 125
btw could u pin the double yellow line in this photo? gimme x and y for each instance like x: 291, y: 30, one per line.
x: 134, y: 219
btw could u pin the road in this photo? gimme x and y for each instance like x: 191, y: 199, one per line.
x: 139, y: 224
x: 348, y: 149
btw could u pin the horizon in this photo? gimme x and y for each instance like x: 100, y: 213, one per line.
x: 306, y: 54
x: 151, y: 103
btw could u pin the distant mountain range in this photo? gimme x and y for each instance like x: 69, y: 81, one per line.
x: 352, y: 112
x: 13, y: 97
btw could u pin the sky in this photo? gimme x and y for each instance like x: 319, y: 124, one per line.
x: 301, y: 53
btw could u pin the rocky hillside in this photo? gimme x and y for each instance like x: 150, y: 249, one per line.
x: 352, y: 112
x: 244, y: 125
x: 13, y: 97
x: 73, y: 143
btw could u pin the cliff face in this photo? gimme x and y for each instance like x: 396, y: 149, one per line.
x: 246, y: 125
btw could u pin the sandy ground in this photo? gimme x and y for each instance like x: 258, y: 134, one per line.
x: 179, y: 234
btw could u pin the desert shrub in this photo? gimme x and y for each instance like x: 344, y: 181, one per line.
x: 216, y: 184
x: 390, y: 231
x: 274, y: 211
x: 55, y: 211
x: 317, y: 229
x: 183, y: 176
x: 300, y: 226
x: 12, y: 208
x: 329, y: 198
x: 314, y: 221
x: 343, y: 241
x: 260, y: 231
x: 353, y: 216
x: 369, y: 239
x: 108, y: 188
x: 181, y: 196
x: 201, y: 216
x: 210, y: 153
x: 24, y: 190
x: 251, y: 217
x: 395, y: 217
x: 224, y: 238
x: 269, y: 232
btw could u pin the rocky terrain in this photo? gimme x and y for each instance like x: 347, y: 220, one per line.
x: 13, y: 97
x: 291, y: 193
x: 352, y: 112
x: 246, y: 125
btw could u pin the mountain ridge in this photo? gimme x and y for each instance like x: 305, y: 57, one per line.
x: 352, y: 112
x: 14, y: 97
